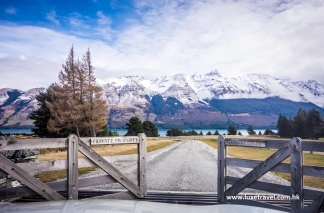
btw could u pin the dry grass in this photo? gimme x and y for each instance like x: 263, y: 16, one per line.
x: 108, y: 150
x: 262, y: 154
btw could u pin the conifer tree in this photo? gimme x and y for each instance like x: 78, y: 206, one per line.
x: 201, y: 133
x: 209, y: 133
x: 216, y: 132
x: 134, y: 126
x: 231, y: 130
x: 77, y: 99
x: 150, y: 129
x: 250, y: 130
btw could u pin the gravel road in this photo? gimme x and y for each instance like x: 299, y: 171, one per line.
x: 187, y: 166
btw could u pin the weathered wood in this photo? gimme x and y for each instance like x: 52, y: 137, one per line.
x: 245, y: 142
x: 315, y: 171
x: 141, y: 148
x: 43, y: 143
x: 222, y: 154
x: 72, y: 176
x: 275, y: 144
x: 24, y: 191
x: 316, y: 206
x: 2, y: 173
x: 260, y: 170
x: 297, y: 178
x: 264, y: 186
x: 313, y: 146
x: 53, y: 165
x: 119, y: 195
x: 114, y: 140
x: 25, y: 178
x: 108, y: 168
x: 276, y: 188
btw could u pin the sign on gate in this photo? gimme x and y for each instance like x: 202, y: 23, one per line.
x: 251, y: 143
x: 114, y: 140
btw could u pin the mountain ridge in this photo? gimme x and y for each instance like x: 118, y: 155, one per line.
x: 186, y: 101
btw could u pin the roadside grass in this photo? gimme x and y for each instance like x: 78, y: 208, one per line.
x: 108, y: 150
x: 262, y: 154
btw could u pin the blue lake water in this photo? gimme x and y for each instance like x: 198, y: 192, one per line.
x: 162, y: 132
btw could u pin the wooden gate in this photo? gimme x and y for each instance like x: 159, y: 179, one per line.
x: 32, y: 186
x: 293, y: 149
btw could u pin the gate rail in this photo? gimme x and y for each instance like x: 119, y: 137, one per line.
x: 22, y: 171
x: 293, y: 149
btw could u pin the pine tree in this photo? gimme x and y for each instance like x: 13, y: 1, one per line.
x: 216, y: 132
x: 314, y: 123
x: 134, y: 126
x: 150, y: 129
x: 260, y: 133
x: 231, y: 130
x: 250, y: 130
x: 95, y: 107
x: 174, y: 132
x: 239, y: 133
x: 201, y: 133
x: 300, y: 124
x: 209, y: 133
x: 77, y: 99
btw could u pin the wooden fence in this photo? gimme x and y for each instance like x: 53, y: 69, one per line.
x: 293, y: 149
x: 32, y: 186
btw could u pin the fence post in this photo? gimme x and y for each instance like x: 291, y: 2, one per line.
x: 222, y: 153
x: 297, y: 178
x: 72, y: 177
x: 141, y: 147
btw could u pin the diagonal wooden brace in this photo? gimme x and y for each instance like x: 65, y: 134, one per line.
x: 260, y: 170
x: 109, y: 169
x: 25, y: 178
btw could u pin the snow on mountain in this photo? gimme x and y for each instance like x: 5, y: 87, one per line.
x: 199, y: 87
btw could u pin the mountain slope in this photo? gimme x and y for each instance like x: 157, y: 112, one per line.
x: 211, y: 100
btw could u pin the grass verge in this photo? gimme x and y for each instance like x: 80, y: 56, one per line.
x: 262, y: 154
x: 109, y: 150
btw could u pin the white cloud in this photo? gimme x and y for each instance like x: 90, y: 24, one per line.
x: 11, y: 10
x: 280, y: 38
x: 51, y: 16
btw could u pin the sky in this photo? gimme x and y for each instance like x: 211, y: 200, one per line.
x: 152, y: 38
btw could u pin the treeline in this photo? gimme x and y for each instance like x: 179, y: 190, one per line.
x: 304, y: 125
x: 179, y: 132
x: 74, y: 104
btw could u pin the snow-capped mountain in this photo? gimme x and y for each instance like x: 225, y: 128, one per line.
x: 187, y: 101
x: 197, y: 88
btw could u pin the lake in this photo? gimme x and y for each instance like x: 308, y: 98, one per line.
x: 162, y: 132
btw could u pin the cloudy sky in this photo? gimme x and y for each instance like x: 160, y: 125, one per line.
x: 161, y: 37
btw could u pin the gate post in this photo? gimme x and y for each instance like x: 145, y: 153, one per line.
x: 72, y: 177
x: 141, y: 147
x: 297, y: 178
x: 222, y: 170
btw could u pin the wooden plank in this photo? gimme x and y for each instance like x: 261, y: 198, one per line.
x: 24, y: 191
x: 141, y: 148
x: 245, y: 142
x: 72, y: 176
x: 297, y: 178
x: 315, y: 171
x: 25, y: 178
x: 260, y: 170
x: 42, y: 143
x: 313, y: 146
x: 222, y: 154
x: 114, y: 140
x: 53, y: 165
x: 276, y: 188
x: 264, y: 186
x: 275, y: 144
x: 108, y: 168
x: 316, y: 206
x: 119, y: 195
